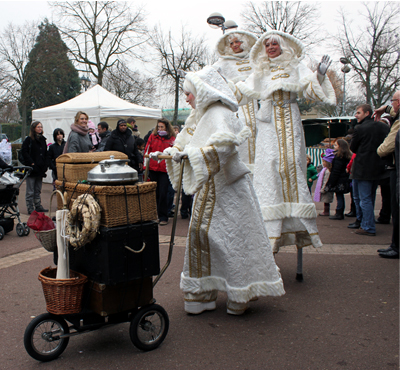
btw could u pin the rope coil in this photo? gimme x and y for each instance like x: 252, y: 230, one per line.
x: 83, y: 221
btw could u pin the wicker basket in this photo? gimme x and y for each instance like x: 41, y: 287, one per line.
x: 63, y: 296
x: 113, y: 202
x: 73, y: 167
x: 48, y: 239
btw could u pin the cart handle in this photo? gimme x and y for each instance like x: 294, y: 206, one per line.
x: 171, y: 243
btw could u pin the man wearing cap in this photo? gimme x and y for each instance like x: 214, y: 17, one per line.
x: 367, y: 168
x: 122, y: 140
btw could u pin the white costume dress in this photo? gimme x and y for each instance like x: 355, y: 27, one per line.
x: 236, y: 67
x: 227, y: 247
x: 280, y: 167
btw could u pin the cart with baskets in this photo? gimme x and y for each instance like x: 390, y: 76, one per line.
x: 10, y: 182
x: 111, y: 282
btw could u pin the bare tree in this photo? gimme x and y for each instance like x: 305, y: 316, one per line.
x: 185, y: 53
x: 297, y: 18
x: 131, y: 85
x: 16, y: 42
x: 98, y: 33
x: 373, y: 50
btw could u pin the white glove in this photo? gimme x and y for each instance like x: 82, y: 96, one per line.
x: 177, y: 157
x: 324, y: 64
x: 154, y: 155
x: 167, y: 151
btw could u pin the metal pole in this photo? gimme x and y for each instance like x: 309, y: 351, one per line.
x: 344, y: 93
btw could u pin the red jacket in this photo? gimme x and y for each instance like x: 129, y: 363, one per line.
x: 157, y: 143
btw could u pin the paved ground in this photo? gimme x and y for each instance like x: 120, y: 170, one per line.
x: 345, y: 315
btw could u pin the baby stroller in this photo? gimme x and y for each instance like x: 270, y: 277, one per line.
x: 10, y: 182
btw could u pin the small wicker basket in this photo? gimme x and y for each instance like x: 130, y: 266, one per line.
x: 48, y: 238
x: 63, y: 296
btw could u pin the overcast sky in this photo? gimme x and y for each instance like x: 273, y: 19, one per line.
x: 173, y: 14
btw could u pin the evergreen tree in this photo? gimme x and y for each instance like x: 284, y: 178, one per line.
x: 51, y: 77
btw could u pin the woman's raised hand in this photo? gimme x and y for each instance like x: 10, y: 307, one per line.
x: 324, y: 64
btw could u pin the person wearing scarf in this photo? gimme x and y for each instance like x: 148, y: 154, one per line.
x: 34, y: 149
x: 162, y: 137
x: 78, y: 139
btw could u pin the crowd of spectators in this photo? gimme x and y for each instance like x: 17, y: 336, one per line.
x: 359, y: 168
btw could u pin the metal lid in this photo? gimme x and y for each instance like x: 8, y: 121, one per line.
x: 111, y: 171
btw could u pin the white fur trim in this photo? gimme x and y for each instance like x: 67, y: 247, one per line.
x: 228, y: 138
x: 207, y: 94
x: 194, y: 175
x: 288, y: 210
x: 295, y: 43
x: 242, y: 294
x: 252, y: 39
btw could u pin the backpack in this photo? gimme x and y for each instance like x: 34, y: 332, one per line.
x: 21, y: 157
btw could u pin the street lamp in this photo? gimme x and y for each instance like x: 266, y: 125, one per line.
x: 217, y: 20
x: 345, y: 69
x: 85, y: 81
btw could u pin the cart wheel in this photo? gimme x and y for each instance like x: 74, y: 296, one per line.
x: 42, y: 337
x: 149, y: 327
x: 27, y: 230
x: 20, y: 229
x: 2, y: 232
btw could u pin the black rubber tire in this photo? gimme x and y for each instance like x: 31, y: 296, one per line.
x: 20, y: 229
x: 27, y: 230
x: 149, y: 327
x: 2, y: 232
x: 38, y: 338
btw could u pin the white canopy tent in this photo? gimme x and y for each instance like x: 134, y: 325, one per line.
x: 99, y: 104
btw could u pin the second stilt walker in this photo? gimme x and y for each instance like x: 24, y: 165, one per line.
x: 280, y: 166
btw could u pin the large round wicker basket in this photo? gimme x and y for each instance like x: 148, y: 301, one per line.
x: 63, y: 296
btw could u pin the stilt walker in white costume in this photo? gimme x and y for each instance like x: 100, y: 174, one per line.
x: 280, y: 168
x: 227, y: 247
x: 233, y: 49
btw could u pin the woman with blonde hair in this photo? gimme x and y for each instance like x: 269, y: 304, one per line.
x: 78, y: 139
x: 279, y: 77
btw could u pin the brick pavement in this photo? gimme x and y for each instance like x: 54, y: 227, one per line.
x: 339, y: 249
x: 180, y: 241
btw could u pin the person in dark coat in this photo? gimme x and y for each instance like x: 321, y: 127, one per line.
x: 389, y: 150
x: 367, y: 168
x: 55, y: 150
x: 34, y: 150
x: 122, y: 140
x: 339, y: 178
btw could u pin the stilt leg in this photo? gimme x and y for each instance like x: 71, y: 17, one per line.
x: 299, y: 275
